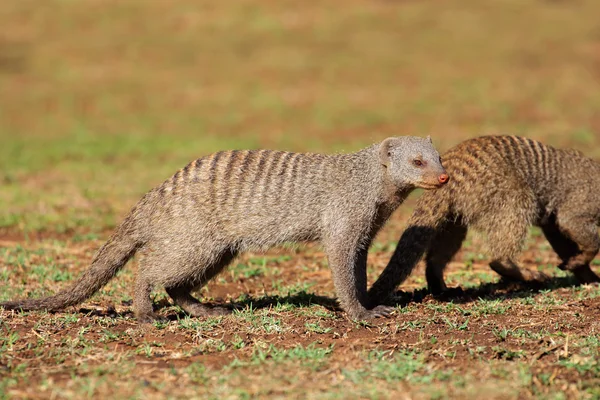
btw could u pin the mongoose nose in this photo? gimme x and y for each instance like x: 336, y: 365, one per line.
x: 443, y: 178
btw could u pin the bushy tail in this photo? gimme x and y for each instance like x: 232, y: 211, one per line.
x: 431, y: 210
x: 111, y: 257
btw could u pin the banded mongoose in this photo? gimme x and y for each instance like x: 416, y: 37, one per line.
x: 193, y: 225
x: 501, y: 185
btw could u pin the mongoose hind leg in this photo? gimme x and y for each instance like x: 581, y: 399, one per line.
x: 180, y: 292
x: 142, y: 304
x: 192, y: 306
x: 446, y: 243
x: 582, y: 232
x: 505, y: 237
x: 508, y: 269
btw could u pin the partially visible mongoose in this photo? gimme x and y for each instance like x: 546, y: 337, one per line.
x: 194, y: 224
x: 501, y: 185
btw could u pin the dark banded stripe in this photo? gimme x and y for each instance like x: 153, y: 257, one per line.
x: 212, y: 177
x: 186, y: 171
x: 213, y: 167
x: 197, y: 166
x: 520, y: 144
x: 230, y: 184
x: 277, y: 167
x: 283, y: 165
x: 230, y: 165
x: 259, y: 172
x: 272, y: 161
x: 245, y: 170
x: 291, y: 175
x: 508, y: 147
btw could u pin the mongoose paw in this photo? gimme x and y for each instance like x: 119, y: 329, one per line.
x: 215, y: 311
x: 201, y: 310
x: 585, y: 275
x: 149, y: 318
x: 380, y: 311
x: 535, y: 276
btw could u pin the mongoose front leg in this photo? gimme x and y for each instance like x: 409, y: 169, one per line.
x: 349, y: 270
x: 584, y: 232
x: 446, y: 243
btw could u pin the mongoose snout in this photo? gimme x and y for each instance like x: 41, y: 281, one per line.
x: 443, y: 178
x: 434, y: 179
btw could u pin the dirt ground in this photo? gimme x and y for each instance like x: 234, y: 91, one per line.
x: 289, y: 338
x: 102, y: 100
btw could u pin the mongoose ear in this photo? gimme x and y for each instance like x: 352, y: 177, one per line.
x: 384, y: 151
x: 429, y: 138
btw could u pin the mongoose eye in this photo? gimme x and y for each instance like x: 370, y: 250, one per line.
x: 418, y: 163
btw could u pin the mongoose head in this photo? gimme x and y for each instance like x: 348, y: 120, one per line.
x: 412, y: 161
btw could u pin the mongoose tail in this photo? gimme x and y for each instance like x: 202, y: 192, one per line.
x: 111, y: 257
x: 429, y: 214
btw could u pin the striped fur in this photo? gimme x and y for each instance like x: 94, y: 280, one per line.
x: 192, y: 225
x: 500, y: 186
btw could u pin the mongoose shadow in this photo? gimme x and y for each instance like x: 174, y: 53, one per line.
x: 194, y: 224
x: 500, y: 186
x: 300, y: 299
x: 502, y: 290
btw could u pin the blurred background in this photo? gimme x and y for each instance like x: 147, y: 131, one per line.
x: 102, y: 100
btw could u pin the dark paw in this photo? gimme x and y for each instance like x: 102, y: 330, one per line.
x: 535, y: 276
x: 380, y: 311
x: 585, y: 275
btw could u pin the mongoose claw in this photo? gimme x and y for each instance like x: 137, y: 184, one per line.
x: 537, y: 276
x: 379, y: 312
x: 383, y: 311
x: 376, y: 312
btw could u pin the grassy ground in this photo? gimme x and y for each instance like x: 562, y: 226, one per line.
x: 103, y: 100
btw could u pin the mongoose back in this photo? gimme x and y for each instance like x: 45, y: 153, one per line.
x: 501, y: 185
x: 192, y: 225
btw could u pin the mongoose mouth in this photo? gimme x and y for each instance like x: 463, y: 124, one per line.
x: 431, y: 185
x: 437, y: 183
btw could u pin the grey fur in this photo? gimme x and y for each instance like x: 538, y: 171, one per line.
x: 193, y: 225
x: 501, y: 185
